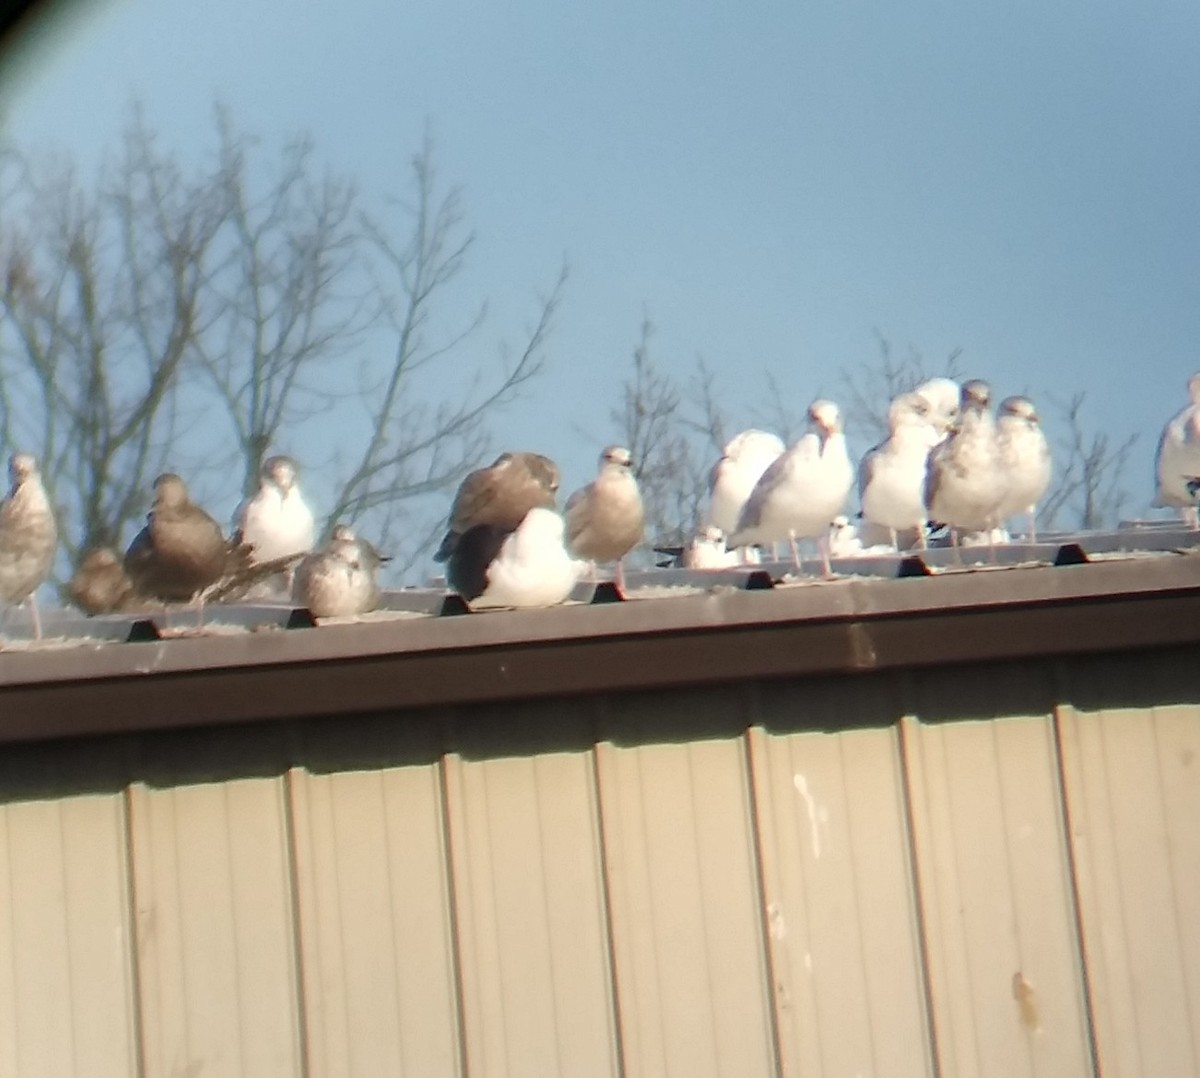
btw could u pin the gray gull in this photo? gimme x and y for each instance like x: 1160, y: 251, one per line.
x: 341, y: 579
x: 1025, y: 455
x: 965, y: 485
x: 891, y: 477
x: 799, y: 495
x: 1177, y: 462
x: 28, y: 536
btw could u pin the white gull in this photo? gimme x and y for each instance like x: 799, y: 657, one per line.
x: 532, y: 567
x: 1025, y: 455
x: 1177, y: 462
x: 276, y: 521
x: 733, y: 477
x: 28, y: 536
x: 891, y: 476
x: 943, y: 396
x: 803, y: 490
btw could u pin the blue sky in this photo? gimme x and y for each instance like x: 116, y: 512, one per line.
x: 771, y: 182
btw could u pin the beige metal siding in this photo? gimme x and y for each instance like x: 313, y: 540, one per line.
x: 1004, y: 973
x: 66, y: 997
x: 374, y: 922
x: 1133, y: 778
x: 848, y: 983
x: 781, y: 879
x: 214, y: 928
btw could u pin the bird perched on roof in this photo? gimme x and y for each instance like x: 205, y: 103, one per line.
x: 943, y: 396
x: 28, y: 536
x: 891, y: 476
x: 1177, y: 461
x: 276, y: 521
x: 181, y: 551
x: 966, y: 483
x: 733, y: 477
x: 1025, y: 456
x: 527, y: 567
x: 500, y: 495
x: 341, y: 579
x: 605, y: 519
x: 101, y: 586
x: 799, y: 495
x: 707, y: 551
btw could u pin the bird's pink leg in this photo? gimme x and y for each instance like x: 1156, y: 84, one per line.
x: 37, y: 618
x: 795, y: 549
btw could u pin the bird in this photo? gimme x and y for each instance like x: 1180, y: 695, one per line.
x: 100, y: 584
x: 733, y: 477
x: 891, y: 476
x: 500, y: 494
x: 943, y: 396
x: 844, y: 540
x: 276, y: 521
x: 707, y: 551
x: 28, y: 536
x: 341, y: 579
x: 1177, y: 460
x: 181, y: 552
x: 527, y: 567
x: 965, y: 484
x: 1025, y: 457
x: 803, y: 490
x: 605, y: 519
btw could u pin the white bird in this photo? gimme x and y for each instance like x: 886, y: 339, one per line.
x: 276, y: 521
x: 707, y: 550
x: 531, y: 568
x: 734, y: 476
x: 891, y: 476
x: 341, y: 579
x: 844, y: 541
x: 1177, y: 462
x: 28, y: 536
x: 943, y: 396
x: 605, y: 520
x: 803, y: 490
x: 965, y: 485
x: 1025, y: 455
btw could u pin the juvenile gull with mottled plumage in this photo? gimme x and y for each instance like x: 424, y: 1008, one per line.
x: 605, y: 519
x: 499, y: 496
x: 1025, y: 455
x: 341, y: 579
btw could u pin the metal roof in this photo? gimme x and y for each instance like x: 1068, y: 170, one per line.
x: 678, y: 628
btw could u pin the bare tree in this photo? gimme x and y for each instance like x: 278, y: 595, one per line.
x: 1090, y: 468
x: 288, y: 300
x: 101, y: 296
x: 417, y: 445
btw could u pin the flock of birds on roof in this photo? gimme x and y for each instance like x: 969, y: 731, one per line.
x: 946, y: 459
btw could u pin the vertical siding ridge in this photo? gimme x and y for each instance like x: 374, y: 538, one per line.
x: 66, y: 926
x: 300, y: 995
x: 452, y: 903
x: 614, y: 988
x: 914, y: 874
x: 754, y: 807
x: 133, y: 957
x: 1064, y: 807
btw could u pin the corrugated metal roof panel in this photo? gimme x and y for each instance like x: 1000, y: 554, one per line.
x: 1133, y: 778
x: 215, y: 941
x: 1004, y: 970
x: 66, y: 995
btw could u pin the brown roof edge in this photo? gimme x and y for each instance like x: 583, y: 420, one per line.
x: 843, y: 627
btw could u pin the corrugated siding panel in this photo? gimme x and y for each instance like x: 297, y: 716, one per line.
x: 214, y: 927
x: 686, y: 916
x: 849, y: 990
x: 1134, y: 783
x: 1005, y: 979
x: 531, y: 915
x: 66, y: 998
x: 374, y: 922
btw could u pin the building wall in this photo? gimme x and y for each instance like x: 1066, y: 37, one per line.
x: 974, y: 871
